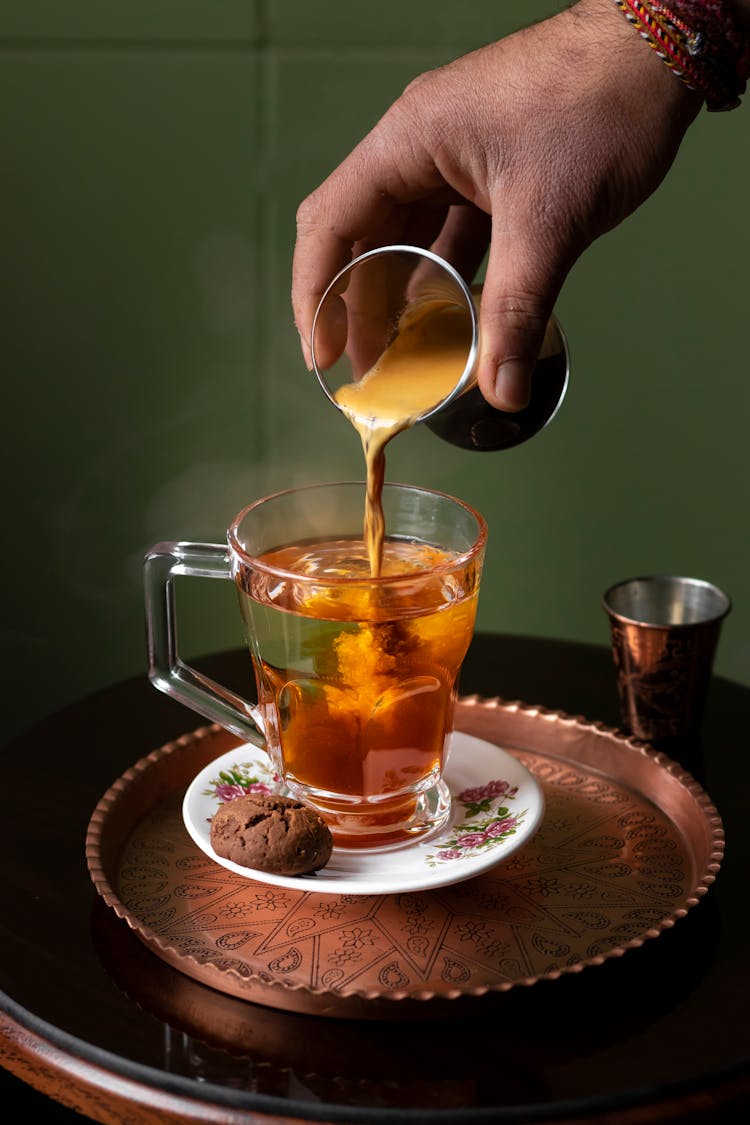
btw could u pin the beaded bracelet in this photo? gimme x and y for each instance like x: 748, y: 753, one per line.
x: 700, y: 42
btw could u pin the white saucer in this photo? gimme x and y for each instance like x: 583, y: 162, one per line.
x: 496, y: 807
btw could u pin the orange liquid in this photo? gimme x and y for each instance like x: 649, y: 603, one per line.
x: 416, y: 371
x: 356, y: 682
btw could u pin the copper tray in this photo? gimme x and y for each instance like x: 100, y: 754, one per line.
x: 628, y: 845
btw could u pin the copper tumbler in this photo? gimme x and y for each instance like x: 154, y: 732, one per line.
x: 665, y: 630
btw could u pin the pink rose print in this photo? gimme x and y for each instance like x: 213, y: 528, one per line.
x: 491, y: 789
x: 501, y: 826
x: 226, y: 792
x: 471, y: 839
x: 229, y: 792
x: 487, y: 822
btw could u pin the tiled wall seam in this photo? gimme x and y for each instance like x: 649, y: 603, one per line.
x: 136, y: 22
x: 264, y: 215
x: 126, y: 43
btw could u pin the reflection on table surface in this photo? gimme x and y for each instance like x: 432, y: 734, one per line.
x: 514, y: 1046
x: 615, y: 1035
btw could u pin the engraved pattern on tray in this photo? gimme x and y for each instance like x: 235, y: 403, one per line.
x: 629, y: 843
x: 602, y: 864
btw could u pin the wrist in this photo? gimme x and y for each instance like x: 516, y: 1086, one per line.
x: 704, y: 43
x: 643, y: 72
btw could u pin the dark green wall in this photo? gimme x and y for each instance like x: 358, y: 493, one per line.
x: 154, y: 154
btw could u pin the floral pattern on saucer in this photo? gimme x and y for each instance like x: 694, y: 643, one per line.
x: 241, y: 778
x: 496, y: 806
x: 489, y: 832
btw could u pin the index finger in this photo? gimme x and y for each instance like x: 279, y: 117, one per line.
x: 346, y: 209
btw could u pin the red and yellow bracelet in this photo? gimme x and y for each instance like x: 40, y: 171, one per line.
x: 701, y: 43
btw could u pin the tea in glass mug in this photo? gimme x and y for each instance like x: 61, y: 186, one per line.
x: 356, y: 675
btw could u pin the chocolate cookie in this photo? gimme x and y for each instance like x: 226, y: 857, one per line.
x: 271, y: 833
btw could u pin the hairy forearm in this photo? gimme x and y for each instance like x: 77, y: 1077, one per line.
x: 705, y: 43
x: 622, y: 50
x: 741, y: 9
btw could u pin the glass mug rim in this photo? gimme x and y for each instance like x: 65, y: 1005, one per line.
x: 394, y: 798
x: 455, y: 562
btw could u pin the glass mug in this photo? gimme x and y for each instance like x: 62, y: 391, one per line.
x: 356, y: 676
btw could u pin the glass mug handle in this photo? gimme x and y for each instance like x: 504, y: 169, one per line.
x: 166, y: 669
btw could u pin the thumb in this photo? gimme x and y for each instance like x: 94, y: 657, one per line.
x: 517, y: 301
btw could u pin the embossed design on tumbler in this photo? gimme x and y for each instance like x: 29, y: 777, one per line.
x: 664, y: 633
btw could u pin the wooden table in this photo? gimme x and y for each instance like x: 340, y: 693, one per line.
x: 661, y: 1034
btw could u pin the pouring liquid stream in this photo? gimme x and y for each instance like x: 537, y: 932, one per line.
x: 361, y: 675
x: 418, y: 369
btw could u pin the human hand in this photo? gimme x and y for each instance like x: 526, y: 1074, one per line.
x: 535, y: 145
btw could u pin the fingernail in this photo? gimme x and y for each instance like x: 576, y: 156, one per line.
x: 306, y: 352
x: 512, y: 385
